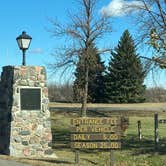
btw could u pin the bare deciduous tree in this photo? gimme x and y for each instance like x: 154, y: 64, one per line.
x: 155, y: 94
x: 82, y: 29
x: 152, y: 27
x: 60, y: 93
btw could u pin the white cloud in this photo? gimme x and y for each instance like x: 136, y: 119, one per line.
x: 36, y: 51
x: 120, y: 8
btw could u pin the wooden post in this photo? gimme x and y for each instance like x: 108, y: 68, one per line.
x: 139, y: 130
x: 77, y: 158
x: 112, y: 158
x: 156, y: 132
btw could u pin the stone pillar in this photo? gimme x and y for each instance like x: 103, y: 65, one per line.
x: 25, y: 128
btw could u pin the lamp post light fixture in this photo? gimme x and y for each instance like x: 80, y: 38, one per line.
x: 24, y: 41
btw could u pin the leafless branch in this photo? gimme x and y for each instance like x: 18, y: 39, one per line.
x: 151, y: 23
x: 83, y: 29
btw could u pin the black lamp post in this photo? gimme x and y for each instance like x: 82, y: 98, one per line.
x: 24, y: 41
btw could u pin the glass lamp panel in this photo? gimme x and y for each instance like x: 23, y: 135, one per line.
x: 19, y: 41
x: 25, y: 43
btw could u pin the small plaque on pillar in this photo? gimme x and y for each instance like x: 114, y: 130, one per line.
x: 30, y: 98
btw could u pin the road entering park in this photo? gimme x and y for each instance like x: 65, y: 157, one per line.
x: 11, y: 163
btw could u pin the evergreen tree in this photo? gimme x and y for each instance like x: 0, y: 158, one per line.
x: 95, y: 80
x: 79, y: 81
x: 125, y: 76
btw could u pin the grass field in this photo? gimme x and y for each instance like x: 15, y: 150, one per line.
x: 133, y: 153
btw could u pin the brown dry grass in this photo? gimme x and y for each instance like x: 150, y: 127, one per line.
x: 137, y: 105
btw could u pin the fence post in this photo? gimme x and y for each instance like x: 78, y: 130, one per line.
x: 156, y: 131
x: 77, y: 158
x: 139, y: 130
x: 112, y: 158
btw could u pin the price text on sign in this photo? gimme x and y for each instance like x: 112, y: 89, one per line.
x: 96, y: 145
x: 89, y: 137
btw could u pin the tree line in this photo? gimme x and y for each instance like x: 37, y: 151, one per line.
x: 64, y: 93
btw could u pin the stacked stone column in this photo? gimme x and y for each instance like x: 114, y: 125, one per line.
x: 24, y: 133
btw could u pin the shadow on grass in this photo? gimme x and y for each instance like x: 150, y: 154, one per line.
x: 60, y: 139
x: 144, y: 146
x: 56, y: 161
x: 92, y: 162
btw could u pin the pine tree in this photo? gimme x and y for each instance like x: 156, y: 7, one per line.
x: 125, y: 76
x: 95, y: 80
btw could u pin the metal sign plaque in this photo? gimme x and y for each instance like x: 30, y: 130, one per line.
x: 30, y: 98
